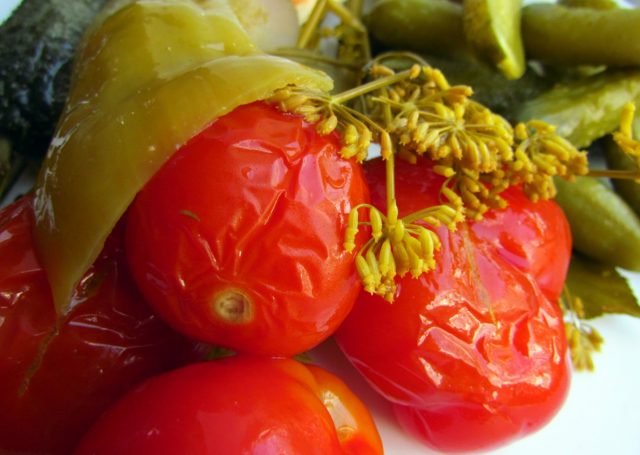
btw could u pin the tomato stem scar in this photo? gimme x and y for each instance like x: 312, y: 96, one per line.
x: 233, y: 306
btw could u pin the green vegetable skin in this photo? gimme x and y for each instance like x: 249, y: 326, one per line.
x: 550, y: 33
x: 570, y: 36
x: 603, y: 226
x: 492, y: 28
x: 145, y: 103
x: 586, y: 109
x: 432, y: 26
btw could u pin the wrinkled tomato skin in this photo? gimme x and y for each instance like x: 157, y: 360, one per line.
x: 473, y: 354
x: 256, y: 206
x: 108, y: 343
x: 535, y: 237
x: 237, y: 405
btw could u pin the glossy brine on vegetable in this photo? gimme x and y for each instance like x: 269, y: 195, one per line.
x: 584, y: 109
x: 250, y: 214
x: 228, y: 142
x: 244, y: 404
x: 582, y: 35
x: 473, y: 354
x: 57, y: 375
x: 149, y: 76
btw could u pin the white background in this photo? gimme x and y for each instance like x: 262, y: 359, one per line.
x: 600, y: 416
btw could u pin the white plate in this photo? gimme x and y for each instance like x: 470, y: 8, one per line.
x: 600, y: 416
x: 6, y: 7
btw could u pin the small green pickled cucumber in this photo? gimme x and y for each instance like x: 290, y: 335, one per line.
x: 492, y: 28
x: 603, y: 226
x: 431, y: 26
x: 581, y: 36
x: 585, y: 109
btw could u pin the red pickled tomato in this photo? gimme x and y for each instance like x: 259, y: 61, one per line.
x: 53, y: 386
x: 534, y: 237
x: 473, y: 354
x: 537, y: 239
x: 237, y: 240
x: 237, y: 405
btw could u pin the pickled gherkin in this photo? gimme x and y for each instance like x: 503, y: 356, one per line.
x: 550, y: 33
x: 492, y: 27
x: 603, y: 226
x: 431, y: 26
x: 586, y: 109
x: 581, y: 36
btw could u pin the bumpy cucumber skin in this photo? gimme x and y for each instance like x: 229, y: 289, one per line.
x: 603, y: 226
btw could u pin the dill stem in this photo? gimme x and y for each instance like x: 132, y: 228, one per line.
x: 363, y: 89
x: 314, y: 57
x: 345, y: 15
x: 311, y: 25
x: 614, y: 174
x: 390, y: 183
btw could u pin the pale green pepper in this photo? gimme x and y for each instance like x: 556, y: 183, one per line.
x: 150, y: 75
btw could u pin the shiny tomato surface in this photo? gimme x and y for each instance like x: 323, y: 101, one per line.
x: 237, y: 405
x: 237, y: 240
x: 56, y: 377
x: 473, y: 354
x: 534, y: 237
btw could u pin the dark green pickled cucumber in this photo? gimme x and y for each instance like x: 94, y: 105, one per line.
x: 37, y: 45
x: 603, y: 226
x: 431, y: 26
x: 587, y: 36
x: 586, y: 109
